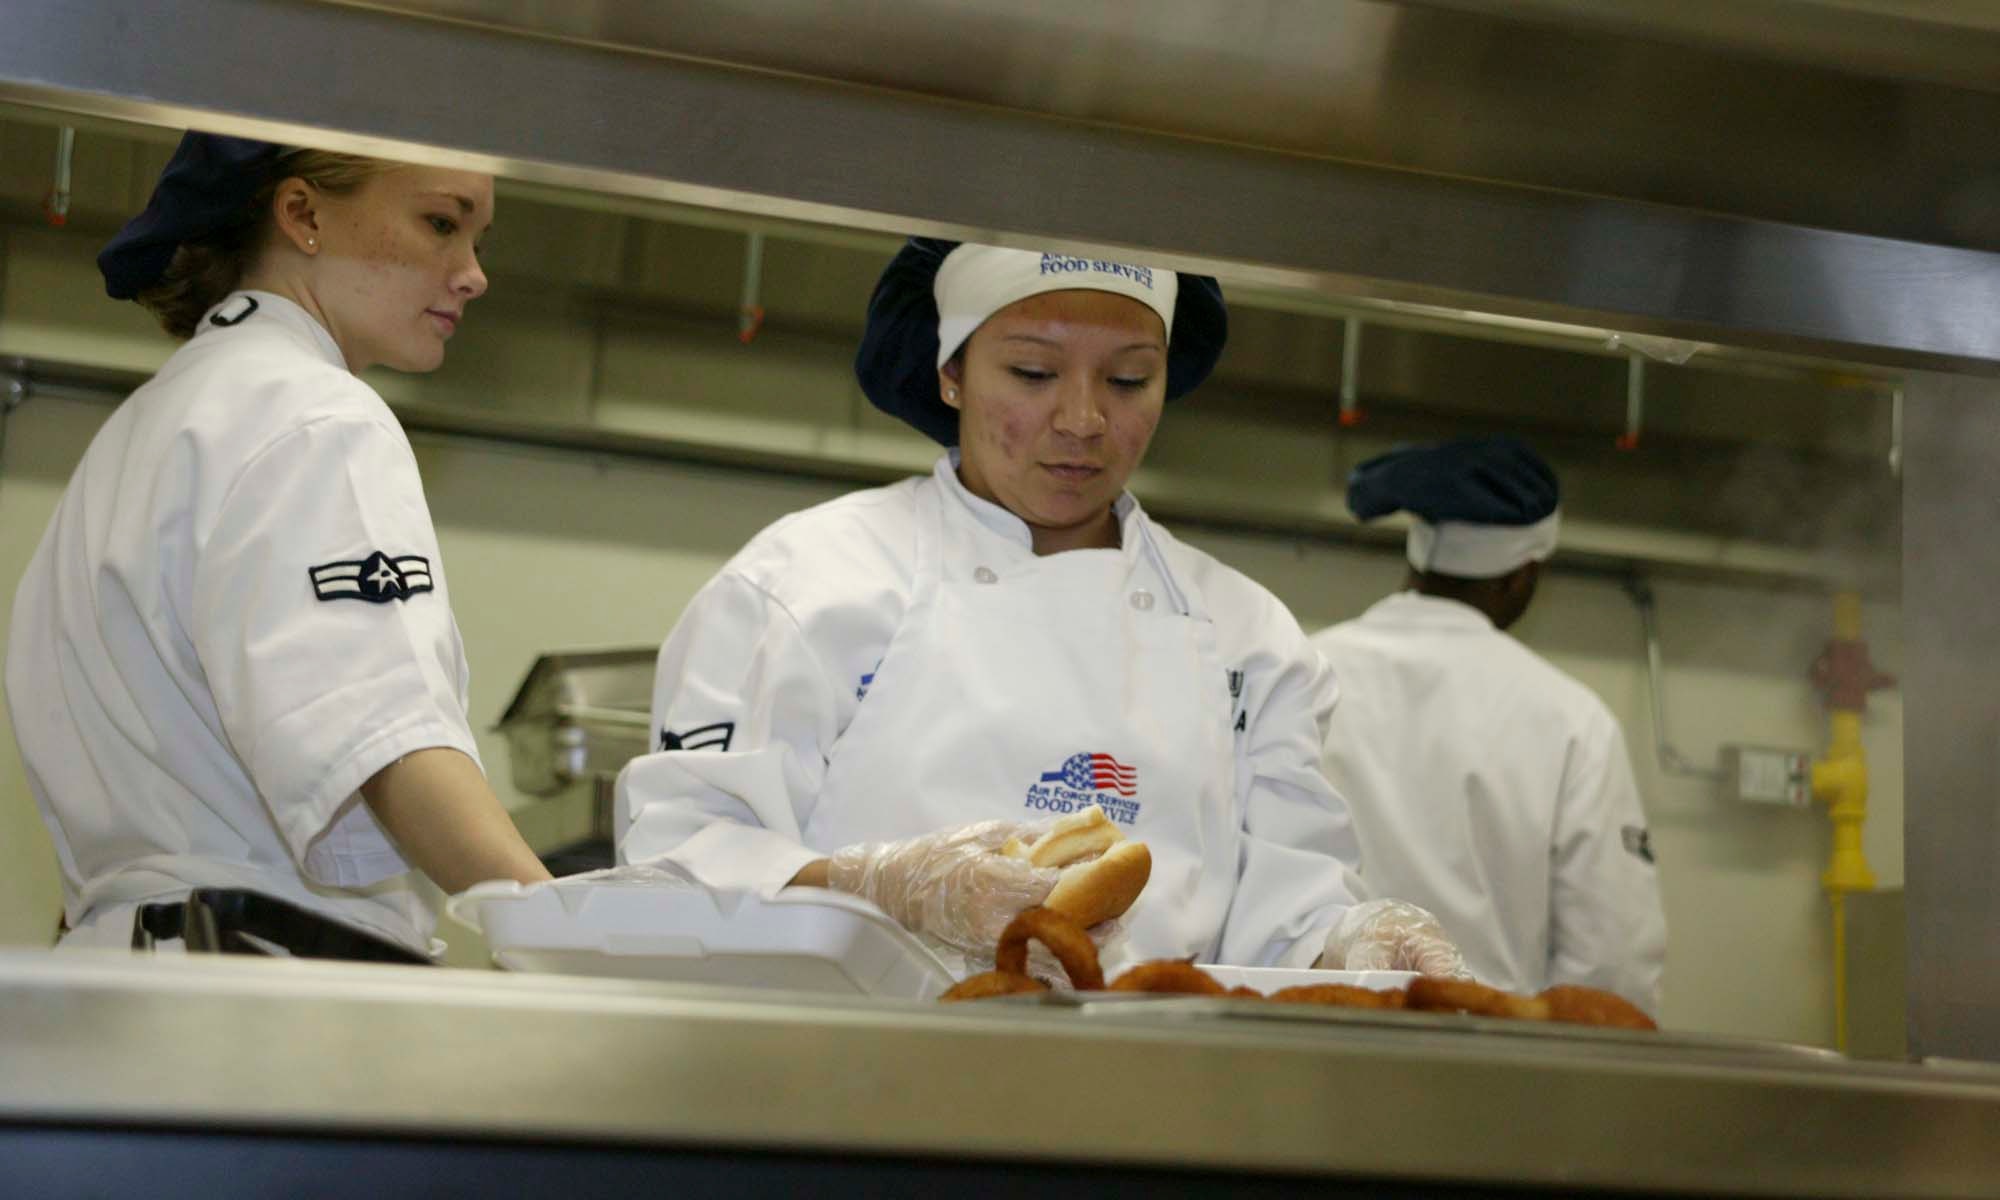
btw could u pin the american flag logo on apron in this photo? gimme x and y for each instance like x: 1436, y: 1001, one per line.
x: 1096, y: 773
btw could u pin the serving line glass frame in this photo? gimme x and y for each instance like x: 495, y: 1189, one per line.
x: 843, y: 151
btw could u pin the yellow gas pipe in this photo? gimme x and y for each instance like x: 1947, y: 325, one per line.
x: 1841, y: 780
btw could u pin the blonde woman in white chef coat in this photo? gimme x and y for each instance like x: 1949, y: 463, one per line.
x: 877, y: 691
x: 233, y: 662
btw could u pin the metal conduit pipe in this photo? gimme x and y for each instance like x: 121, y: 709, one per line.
x: 1672, y: 761
x: 1635, y: 402
x: 1350, y: 373
x: 59, y: 194
x: 750, y: 307
x: 1896, y: 433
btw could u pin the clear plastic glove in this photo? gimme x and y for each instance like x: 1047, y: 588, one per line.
x: 950, y: 886
x: 1392, y: 935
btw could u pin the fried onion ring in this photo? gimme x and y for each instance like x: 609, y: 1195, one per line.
x: 1590, y: 1006
x: 1173, y: 975
x: 1340, y: 995
x: 1430, y: 994
x: 992, y: 983
x: 1064, y: 938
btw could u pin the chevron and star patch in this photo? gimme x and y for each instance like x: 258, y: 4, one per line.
x: 378, y: 579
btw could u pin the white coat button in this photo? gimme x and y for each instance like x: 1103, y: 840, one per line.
x: 1142, y: 600
x: 985, y: 575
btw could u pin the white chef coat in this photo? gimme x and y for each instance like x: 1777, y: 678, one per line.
x: 763, y: 692
x: 1494, y: 790
x: 237, y: 616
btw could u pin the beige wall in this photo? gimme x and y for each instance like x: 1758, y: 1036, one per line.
x: 42, y: 446
x: 560, y: 550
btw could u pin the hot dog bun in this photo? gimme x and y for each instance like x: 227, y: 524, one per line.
x: 1076, y: 837
x: 1103, y: 887
x: 1102, y: 873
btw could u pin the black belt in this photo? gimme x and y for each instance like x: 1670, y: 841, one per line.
x: 234, y: 921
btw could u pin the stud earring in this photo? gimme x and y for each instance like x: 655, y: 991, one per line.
x: 951, y: 393
x: 312, y: 243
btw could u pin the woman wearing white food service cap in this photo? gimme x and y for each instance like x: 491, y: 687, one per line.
x: 1486, y: 784
x: 232, y: 662
x: 876, y: 692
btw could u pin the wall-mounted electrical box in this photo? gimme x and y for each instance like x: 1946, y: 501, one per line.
x: 1765, y: 775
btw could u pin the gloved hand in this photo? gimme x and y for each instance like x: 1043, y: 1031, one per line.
x: 1392, y: 935
x: 951, y: 886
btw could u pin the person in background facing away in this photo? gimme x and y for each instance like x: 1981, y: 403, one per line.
x: 875, y: 693
x: 1486, y: 784
x: 233, y: 661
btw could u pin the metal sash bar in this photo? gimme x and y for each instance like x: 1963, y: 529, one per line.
x: 1951, y: 715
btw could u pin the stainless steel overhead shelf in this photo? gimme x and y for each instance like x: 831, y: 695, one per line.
x: 606, y: 98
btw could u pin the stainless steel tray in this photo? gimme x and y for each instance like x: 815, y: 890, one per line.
x: 1151, y: 1008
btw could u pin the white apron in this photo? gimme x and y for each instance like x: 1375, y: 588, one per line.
x: 1025, y: 692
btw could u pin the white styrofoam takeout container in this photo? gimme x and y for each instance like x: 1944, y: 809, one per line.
x: 1270, y: 979
x: 654, y: 924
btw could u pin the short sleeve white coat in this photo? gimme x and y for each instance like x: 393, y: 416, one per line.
x: 236, y: 617
x: 1494, y: 790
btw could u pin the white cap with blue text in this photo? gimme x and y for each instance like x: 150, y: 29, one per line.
x: 974, y: 282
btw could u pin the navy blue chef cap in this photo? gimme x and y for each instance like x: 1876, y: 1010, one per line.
x: 897, y: 364
x: 206, y: 188
x: 1476, y: 481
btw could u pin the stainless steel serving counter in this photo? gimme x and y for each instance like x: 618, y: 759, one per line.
x: 97, y: 1049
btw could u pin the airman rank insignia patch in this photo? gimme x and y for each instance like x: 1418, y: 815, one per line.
x: 705, y: 737
x: 377, y: 579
